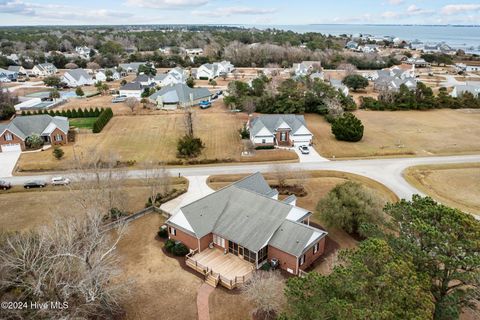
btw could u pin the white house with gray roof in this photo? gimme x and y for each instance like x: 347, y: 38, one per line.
x: 279, y: 130
x: 44, y: 69
x: 77, y: 78
x: 131, y: 89
x: 179, y: 95
x: 473, y: 88
x: 247, y: 220
x: 210, y: 71
x: 306, y: 67
x: 53, y: 130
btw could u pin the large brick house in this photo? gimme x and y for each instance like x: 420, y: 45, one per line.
x: 53, y: 130
x: 284, y: 130
x: 247, y: 220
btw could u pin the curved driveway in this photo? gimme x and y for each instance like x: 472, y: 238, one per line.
x: 386, y: 171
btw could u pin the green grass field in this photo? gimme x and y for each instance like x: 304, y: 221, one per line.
x: 84, y: 123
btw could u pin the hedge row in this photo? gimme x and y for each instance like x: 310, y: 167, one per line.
x: 102, y: 120
x: 79, y: 113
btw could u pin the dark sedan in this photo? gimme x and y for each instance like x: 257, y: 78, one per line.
x: 4, y: 185
x: 34, y: 184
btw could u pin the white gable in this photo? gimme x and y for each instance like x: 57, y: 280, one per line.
x: 180, y: 220
x: 264, y: 133
x: 284, y: 125
x: 302, y: 131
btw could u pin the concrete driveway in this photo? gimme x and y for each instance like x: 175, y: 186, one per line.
x: 8, y: 160
x: 197, y: 189
x: 313, y: 156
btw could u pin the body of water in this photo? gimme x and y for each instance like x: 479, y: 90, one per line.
x: 459, y: 37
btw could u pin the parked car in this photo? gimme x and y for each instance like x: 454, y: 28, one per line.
x: 118, y: 99
x: 60, y: 181
x: 304, y: 149
x: 5, y: 185
x: 34, y: 184
x: 205, y: 104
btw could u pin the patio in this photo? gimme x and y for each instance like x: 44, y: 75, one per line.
x: 226, y: 269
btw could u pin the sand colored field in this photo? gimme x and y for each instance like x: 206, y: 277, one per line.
x: 457, y: 186
x: 403, y: 133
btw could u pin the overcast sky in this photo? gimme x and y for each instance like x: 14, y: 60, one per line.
x: 260, y: 12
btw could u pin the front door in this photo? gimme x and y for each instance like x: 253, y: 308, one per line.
x: 240, y: 251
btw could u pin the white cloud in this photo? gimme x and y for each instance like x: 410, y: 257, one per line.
x: 229, y: 11
x: 396, y: 2
x: 460, y: 8
x: 166, y: 4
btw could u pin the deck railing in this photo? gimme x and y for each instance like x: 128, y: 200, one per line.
x: 208, y: 272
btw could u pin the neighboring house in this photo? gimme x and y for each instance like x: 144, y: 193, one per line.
x: 337, y: 84
x: 131, y: 67
x: 458, y: 91
x: 101, y: 75
x: 392, y: 79
x: 166, y: 50
x: 461, y: 67
x: 174, y: 76
x: 368, y: 48
x: 13, y: 57
x: 144, y: 80
x: 53, y: 130
x: 77, y: 78
x: 21, y: 71
x: 306, y: 67
x: 132, y: 89
x: 179, y: 95
x: 44, y: 69
x: 246, y: 224
x: 417, y: 62
x: 210, y: 71
x: 83, y: 51
x: 317, y: 76
x: 194, y: 52
x: 7, y: 76
x: 285, y: 130
x: 351, y: 45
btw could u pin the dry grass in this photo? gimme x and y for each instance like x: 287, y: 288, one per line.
x: 455, y: 185
x: 154, y: 138
x: 230, y: 305
x: 404, y: 133
x: 160, y: 288
x: 23, y: 210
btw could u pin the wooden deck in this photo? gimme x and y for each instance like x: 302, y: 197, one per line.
x: 226, y: 269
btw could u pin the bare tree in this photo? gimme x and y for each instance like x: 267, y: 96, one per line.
x: 334, y: 107
x: 281, y: 173
x: 265, y: 291
x: 349, y: 68
x: 74, y: 262
x: 93, y: 65
x: 131, y: 103
x: 188, y: 121
x: 157, y: 180
x: 249, y: 106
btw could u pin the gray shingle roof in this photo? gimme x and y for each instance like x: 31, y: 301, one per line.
x: 272, y: 121
x: 131, y: 86
x: 78, y: 73
x: 28, y: 125
x: 142, y: 78
x: 240, y: 215
x: 294, y: 237
x: 256, y: 183
x: 180, y: 93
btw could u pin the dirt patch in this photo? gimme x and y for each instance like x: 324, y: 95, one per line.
x: 455, y: 185
x: 402, y: 133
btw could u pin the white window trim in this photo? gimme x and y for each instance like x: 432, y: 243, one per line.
x: 173, y: 231
x: 58, y: 137
x: 302, y: 260
x: 315, y: 248
x: 8, y: 136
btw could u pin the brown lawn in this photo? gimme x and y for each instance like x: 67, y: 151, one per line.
x: 160, y: 288
x: 455, y: 185
x: 154, y: 138
x: 23, y: 210
x: 232, y: 305
x: 403, y: 133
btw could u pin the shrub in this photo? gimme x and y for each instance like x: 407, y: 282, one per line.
x: 348, y: 128
x: 116, y: 213
x: 189, y: 146
x: 102, y: 120
x: 244, y: 133
x: 266, y: 266
x: 6, y: 111
x: 169, y: 244
x: 79, y: 92
x: 180, y: 250
x: 163, y: 233
x: 34, y: 141
x: 58, y: 153
x: 355, y: 82
x: 264, y: 147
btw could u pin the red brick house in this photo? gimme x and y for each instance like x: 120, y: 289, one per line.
x: 247, y: 220
x: 53, y: 130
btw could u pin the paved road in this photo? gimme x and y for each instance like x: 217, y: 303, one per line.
x: 386, y: 171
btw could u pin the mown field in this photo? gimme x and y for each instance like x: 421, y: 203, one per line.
x: 403, y: 133
x: 154, y: 138
x: 455, y: 185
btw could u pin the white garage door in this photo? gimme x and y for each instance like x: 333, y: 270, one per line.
x: 11, y: 147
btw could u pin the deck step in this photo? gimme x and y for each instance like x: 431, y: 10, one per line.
x: 211, y: 281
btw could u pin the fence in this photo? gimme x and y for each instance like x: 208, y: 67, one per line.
x: 132, y: 217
